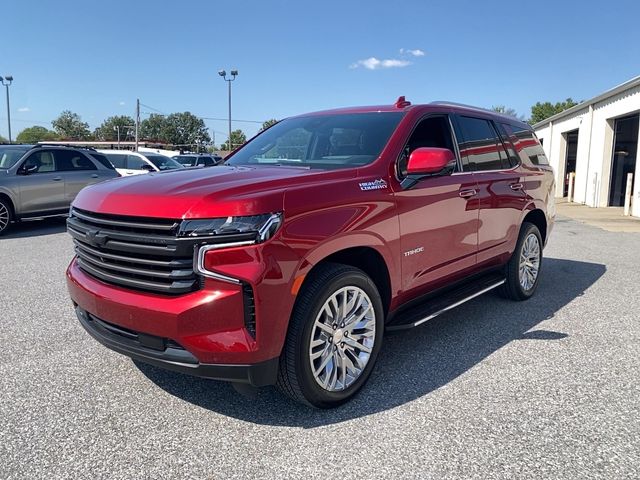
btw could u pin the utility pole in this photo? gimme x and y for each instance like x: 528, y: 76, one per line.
x: 8, y: 79
x: 234, y: 74
x: 137, y: 122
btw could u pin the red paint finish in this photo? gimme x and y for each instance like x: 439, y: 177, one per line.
x: 441, y: 229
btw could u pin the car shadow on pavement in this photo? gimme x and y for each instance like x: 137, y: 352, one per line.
x: 47, y: 226
x: 411, y: 364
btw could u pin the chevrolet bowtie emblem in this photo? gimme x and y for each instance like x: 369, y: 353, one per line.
x: 96, y: 238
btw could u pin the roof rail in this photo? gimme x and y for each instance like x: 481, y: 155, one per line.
x: 45, y: 144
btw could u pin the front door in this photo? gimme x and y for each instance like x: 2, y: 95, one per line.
x: 42, y: 190
x: 438, y: 216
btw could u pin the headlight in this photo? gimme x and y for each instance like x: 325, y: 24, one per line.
x: 263, y: 226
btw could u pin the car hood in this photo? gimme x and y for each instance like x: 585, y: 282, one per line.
x: 198, y: 193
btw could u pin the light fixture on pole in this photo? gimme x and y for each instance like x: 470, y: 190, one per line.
x: 6, y: 81
x: 234, y: 74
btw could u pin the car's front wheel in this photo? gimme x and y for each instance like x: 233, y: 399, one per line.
x: 5, y: 215
x: 334, y: 337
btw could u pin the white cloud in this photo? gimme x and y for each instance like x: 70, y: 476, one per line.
x: 24, y: 109
x: 414, y: 53
x: 373, y: 63
x: 121, y: 103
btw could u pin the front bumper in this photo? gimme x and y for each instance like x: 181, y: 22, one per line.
x: 168, y: 354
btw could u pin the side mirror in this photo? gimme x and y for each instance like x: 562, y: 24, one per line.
x: 27, y: 170
x: 428, y: 162
x: 148, y: 168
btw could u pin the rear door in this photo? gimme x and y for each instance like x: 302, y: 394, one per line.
x: 438, y: 216
x: 42, y: 191
x: 78, y: 172
x: 501, y: 193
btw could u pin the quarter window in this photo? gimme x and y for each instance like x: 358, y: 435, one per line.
x: 481, y: 145
x: 527, y: 144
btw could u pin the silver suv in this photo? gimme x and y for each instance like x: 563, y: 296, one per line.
x: 42, y: 180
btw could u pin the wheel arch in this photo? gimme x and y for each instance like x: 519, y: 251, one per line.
x: 539, y: 219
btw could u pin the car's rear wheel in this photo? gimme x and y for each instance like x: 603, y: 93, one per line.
x: 523, y: 270
x: 334, y: 337
x: 6, y: 215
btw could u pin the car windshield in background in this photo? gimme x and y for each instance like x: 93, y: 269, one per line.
x: 186, y: 160
x: 321, y: 141
x: 162, y: 162
x: 10, y: 154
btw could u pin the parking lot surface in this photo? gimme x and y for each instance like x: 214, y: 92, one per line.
x: 547, y: 388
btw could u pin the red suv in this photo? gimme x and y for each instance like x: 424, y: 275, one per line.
x: 286, y: 265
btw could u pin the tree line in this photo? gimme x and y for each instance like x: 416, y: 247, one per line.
x: 179, y: 129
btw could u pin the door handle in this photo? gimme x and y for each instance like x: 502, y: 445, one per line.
x: 516, y: 186
x: 468, y: 193
x: 56, y: 179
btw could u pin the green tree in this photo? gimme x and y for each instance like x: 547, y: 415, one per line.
x: 36, y: 134
x: 268, y: 123
x: 507, y: 111
x: 69, y: 126
x: 152, y: 128
x: 108, y: 131
x: 3, y: 140
x: 184, y: 129
x: 238, y: 138
x: 541, y: 111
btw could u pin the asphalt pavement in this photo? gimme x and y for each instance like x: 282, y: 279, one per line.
x: 548, y: 388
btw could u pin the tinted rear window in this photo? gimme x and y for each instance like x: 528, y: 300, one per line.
x: 527, y: 144
x: 481, y: 145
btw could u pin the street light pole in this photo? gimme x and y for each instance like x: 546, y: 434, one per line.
x: 6, y: 81
x: 234, y: 74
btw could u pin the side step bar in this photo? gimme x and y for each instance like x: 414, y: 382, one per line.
x: 444, y: 302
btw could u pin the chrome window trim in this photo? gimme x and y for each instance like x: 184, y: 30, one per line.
x: 199, y: 260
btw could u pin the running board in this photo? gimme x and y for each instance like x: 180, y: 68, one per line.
x: 444, y: 302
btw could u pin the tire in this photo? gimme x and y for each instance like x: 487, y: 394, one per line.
x: 346, y: 367
x: 6, y: 215
x: 519, y: 284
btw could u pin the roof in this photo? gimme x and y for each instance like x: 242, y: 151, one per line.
x: 634, y: 82
x: 403, y: 106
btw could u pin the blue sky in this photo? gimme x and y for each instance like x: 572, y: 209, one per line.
x: 96, y: 58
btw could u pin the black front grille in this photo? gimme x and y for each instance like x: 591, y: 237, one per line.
x: 134, y: 252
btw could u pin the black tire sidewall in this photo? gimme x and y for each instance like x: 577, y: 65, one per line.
x: 314, y: 393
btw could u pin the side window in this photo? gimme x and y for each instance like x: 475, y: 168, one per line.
x: 208, y: 161
x: 69, y: 161
x: 135, y: 163
x: 118, y: 161
x: 507, y: 141
x: 43, y: 160
x: 481, y: 145
x: 527, y: 144
x: 430, y: 132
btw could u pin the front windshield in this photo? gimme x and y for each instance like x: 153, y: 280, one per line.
x: 163, y: 163
x: 9, y: 155
x: 321, y: 141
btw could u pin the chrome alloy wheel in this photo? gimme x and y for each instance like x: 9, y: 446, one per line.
x: 529, y: 262
x: 4, y: 217
x: 342, y: 339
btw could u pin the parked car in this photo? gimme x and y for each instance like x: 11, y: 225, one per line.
x: 286, y: 264
x: 136, y: 163
x: 41, y: 181
x: 197, y: 160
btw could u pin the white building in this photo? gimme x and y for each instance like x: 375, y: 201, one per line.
x: 598, y: 140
